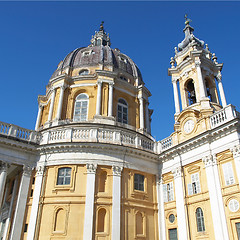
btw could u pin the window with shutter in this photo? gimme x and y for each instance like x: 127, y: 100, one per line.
x: 228, y: 173
x: 194, y: 187
x: 168, y: 193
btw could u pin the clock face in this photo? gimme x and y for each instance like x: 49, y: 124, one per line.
x: 188, y: 126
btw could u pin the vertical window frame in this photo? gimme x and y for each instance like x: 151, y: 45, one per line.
x: 228, y: 173
x: 139, y: 182
x: 195, y: 186
x: 200, y: 220
x: 120, y: 111
x: 77, y: 117
x: 168, y: 192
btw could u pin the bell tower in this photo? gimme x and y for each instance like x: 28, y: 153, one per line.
x: 196, y: 74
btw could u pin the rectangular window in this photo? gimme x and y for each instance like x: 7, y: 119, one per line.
x: 139, y: 182
x: 194, y: 187
x: 238, y: 229
x: 64, y: 176
x: 172, y: 233
x: 25, y: 227
x: 168, y: 193
x: 228, y: 173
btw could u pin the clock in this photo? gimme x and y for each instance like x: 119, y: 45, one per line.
x: 188, y: 126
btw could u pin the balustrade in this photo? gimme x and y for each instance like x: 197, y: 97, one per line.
x: 18, y: 132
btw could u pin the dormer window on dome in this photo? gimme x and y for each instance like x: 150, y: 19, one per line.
x: 83, y: 72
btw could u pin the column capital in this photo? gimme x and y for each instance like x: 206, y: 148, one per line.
x: 219, y: 76
x: 235, y: 151
x: 197, y: 63
x: 63, y: 86
x: 91, y: 168
x: 117, y: 170
x: 27, y: 170
x: 99, y: 82
x: 4, y: 166
x: 177, y: 172
x: 209, y: 160
x: 175, y: 79
x: 111, y: 84
x: 159, y: 179
x: 39, y: 170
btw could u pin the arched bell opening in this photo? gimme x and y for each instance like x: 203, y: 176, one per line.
x: 190, y: 92
x: 211, y: 90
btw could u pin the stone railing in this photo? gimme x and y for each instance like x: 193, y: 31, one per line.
x: 224, y: 115
x: 98, y: 134
x: 165, y: 144
x: 11, y: 130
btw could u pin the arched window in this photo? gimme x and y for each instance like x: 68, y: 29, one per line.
x: 64, y: 176
x: 200, y: 220
x: 83, y: 72
x: 60, y: 220
x: 81, y: 108
x: 122, y: 114
x: 101, y: 220
x: 191, y: 92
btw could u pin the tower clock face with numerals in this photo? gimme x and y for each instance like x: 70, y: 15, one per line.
x: 188, y: 126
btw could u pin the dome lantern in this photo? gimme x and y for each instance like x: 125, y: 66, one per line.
x: 100, y: 37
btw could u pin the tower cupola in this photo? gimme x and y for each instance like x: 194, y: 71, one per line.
x: 196, y: 75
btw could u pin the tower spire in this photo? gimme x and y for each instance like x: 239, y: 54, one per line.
x: 189, y: 37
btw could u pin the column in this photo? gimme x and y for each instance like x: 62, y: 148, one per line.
x: 6, y: 229
x: 220, y: 88
x: 147, y: 117
x: 141, y: 112
x: 3, y: 177
x: 89, y: 202
x: 40, y: 108
x: 215, y: 195
x: 180, y: 205
x: 202, y: 88
x: 21, y: 204
x: 110, y: 100
x: 116, y: 203
x: 176, y: 96
x: 35, y: 202
x: 51, y: 105
x: 236, y: 156
x: 99, y: 98
x: 60, y: 102
x: 161, y: 212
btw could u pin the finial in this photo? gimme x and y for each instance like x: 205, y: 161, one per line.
x: 207, y: 48
x: 187, y: 20
x: 175, y: 49
x: 214, y: 58
x: 172, y: 62
x: 101, y: 26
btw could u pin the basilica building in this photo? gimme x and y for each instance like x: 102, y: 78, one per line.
x: 91, y: 169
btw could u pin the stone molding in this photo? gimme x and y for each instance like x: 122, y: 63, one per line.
x: 197, y: 63
x: 91, y: 168
x: 117, y: 170
x: 209, y: 160
x: 177, y: 172
x: 236, y: 151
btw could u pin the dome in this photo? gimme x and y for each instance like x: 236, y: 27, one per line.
x: 99, y: 53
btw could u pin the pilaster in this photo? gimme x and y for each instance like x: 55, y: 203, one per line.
x: 89, y: 202
x: 215, y: 195
x: 116, y: 202
x: 99, y: 98
x: 21, y: 204
x: 110, y: 100
x: 40, y: 108
x: 35, y: 202
x: 180, y: 205
x: 161, y: 211
x: 236, y: 156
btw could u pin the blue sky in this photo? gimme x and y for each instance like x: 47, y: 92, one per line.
x: 36, y: 36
